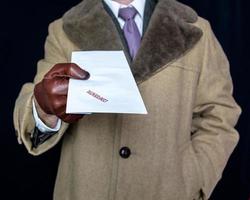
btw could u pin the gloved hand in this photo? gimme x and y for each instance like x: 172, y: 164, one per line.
x: 51, y: 92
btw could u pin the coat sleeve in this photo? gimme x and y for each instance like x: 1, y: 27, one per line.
x: 24, y: 122
x: 215, y: 114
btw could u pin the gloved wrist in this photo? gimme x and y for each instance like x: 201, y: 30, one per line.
x: 48, y: 119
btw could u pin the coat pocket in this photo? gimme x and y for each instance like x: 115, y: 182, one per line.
x: 191, y: 172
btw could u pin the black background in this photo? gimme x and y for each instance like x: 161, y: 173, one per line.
x: 22, y: 35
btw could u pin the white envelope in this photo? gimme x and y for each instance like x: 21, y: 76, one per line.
x: 111, y: 87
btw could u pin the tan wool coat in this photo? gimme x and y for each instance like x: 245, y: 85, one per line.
x: 178, y: 150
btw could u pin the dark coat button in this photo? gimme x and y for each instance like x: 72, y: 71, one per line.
x: 124, y: 152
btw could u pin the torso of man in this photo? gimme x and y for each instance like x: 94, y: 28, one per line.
x: 179, y: 150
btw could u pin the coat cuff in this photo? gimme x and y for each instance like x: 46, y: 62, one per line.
x: 25, y: 124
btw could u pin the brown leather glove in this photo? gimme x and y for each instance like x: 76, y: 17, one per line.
x: 51, y: 92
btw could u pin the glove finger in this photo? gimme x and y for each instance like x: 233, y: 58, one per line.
x: 70, y: 118
x: 56, y: 86
x: 58, y: 104
x: 67, y: 70
x: 74, y: 71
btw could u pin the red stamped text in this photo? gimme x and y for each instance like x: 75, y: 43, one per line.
x: 97, y: 96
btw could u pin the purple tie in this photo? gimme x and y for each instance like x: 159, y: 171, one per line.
x: 130, y: 29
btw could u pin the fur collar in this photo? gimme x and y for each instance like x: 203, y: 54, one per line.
x: 169, y: 35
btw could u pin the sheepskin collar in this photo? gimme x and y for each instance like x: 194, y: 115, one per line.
x: 169, y: 35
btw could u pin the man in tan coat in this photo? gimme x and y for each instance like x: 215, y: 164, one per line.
x: 179, y: 150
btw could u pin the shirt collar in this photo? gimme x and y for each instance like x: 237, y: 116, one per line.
x: 139, y: 5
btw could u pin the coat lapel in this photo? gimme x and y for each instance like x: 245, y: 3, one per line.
x: 90, y: 27
x: 169, y: 35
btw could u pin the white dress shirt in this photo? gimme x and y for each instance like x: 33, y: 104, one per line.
x: 139, y: 5
x: 41, y: 126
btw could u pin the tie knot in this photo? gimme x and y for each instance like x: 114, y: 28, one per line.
x: 127, y: 13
